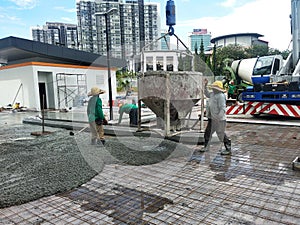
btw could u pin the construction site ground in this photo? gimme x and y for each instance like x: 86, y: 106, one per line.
x: 257, y: 184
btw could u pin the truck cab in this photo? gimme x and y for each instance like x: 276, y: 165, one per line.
x: 265, y: 67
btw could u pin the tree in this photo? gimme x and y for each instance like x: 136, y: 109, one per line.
x: 124, y: 80
x: 235, y: 52
x: 202, y: 54
x: 256, y: 51
x: 196, y: 48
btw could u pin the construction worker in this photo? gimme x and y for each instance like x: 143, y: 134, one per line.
x: 96, y: 116
x: 216, y: 114
x: 130, y: 109
x: 231, y: 90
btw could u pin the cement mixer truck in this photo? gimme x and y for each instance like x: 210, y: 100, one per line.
x: 275, y: 83
x: 244, y: 73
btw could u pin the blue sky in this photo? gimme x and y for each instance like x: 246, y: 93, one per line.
x: 267, y: 17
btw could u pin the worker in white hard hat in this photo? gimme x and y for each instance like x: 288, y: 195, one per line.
x: 216, y: 114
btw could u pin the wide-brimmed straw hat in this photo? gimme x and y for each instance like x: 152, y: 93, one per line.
x: 218, y: 85
x: 95, y: 91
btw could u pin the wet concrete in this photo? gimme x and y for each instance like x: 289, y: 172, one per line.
x: 230, y: 167
x: 255, y: 185
x: 124, y: 205
x: 144, y: 150
x: 34, y: 167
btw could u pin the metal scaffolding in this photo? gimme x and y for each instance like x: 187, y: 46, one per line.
x: 69, y: 88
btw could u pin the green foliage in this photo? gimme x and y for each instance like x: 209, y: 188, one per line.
x: 202, y: 54
x: 196, y: 48
x: 256, y: 51
x: 123, y: 77
x: 284, y: 53
x: 235, y: 52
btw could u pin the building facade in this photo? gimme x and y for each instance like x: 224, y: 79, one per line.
x: 42, y: 76
x: 132, y: 26
x: 61, y: 34
x: 165, y: 41
x: 243, y: 39
x: 197, y: 37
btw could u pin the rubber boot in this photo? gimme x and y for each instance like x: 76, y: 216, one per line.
x: 206, y: 147
x: 227, y: 150
x: 101, y: 142
x: 93, y: 141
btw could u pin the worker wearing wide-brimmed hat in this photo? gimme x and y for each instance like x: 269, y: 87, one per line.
x: 216, y: 114
x: 96, y: 116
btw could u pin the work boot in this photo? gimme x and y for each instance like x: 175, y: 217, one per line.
x: 227, y: 150
x: 101, y: 142
x: 227, y: 145
x: 206, y: 147
x: 93, y: 141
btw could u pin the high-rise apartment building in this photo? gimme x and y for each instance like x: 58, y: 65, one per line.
x: 165, y: 41
x: 56, y: 33
x: 197, y: 37
x: 133, y: 25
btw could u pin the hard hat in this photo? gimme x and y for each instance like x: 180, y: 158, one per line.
x: 218, y: 85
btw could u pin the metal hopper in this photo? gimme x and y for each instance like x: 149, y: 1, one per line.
x: 170, y: 94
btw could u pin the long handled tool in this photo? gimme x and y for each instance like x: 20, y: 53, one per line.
x: 72, y: 133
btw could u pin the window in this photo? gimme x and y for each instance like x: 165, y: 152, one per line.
x: 159, y: 63
x: 170, y: 66
x: 149, y: 63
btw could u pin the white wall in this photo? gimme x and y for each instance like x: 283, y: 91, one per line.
x: 99, y: 78
x: 10, y: 80
x: 30, y: 76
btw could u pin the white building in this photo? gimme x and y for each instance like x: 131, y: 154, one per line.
x: 160, y: 60
x: 39, y: 75
x: 243, y: 39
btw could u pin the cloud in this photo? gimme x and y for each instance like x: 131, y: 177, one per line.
x: 12, y: 19
x: 69, y: 20
x: 61, y: 8
x: 253, y: 17
x: 228, y: 3
x: 25, y: 4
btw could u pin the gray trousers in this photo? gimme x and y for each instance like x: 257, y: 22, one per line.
x: 218, y: 127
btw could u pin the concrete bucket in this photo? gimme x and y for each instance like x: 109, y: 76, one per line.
x: 170, y: 95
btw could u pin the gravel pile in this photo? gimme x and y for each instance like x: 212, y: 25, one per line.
x: 36, y: 166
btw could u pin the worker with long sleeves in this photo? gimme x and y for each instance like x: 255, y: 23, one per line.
x: 96, y: 116
x: 216, y: 114
x: 130, y: 109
